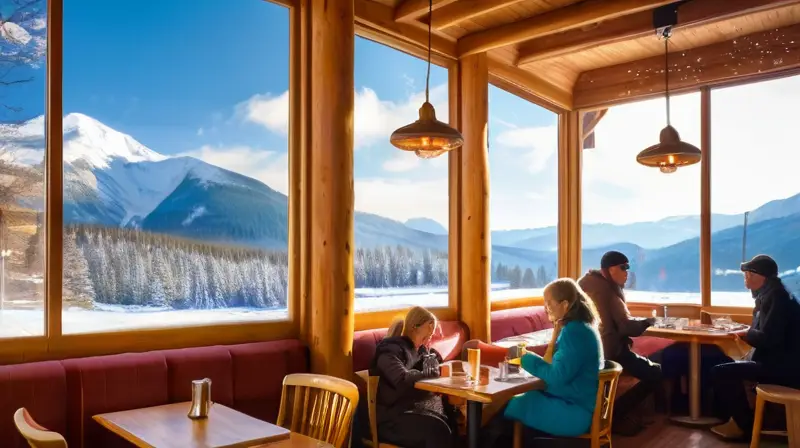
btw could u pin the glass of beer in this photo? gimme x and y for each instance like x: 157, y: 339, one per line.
x: 474, y: 361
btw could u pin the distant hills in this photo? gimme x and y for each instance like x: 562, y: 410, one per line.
x: 112, y: 180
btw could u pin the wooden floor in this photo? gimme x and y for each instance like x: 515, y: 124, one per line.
x: 663, y: 434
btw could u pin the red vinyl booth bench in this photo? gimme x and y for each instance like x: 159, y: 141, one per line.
x: 448, y: 343
x: 64, y: 395
x: 517, y: 321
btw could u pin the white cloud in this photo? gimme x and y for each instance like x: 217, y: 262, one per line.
x: 272, y: 112
x: 753, y: 141
x: 402, y: 161
x: 270, y: 167
x: 541, y: 143
x: 375, y: 119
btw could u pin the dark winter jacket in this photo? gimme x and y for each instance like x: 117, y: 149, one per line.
x: 775, y: 333
x: 399, y: 366
x: 617, y: 326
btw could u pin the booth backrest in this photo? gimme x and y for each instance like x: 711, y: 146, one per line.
x: 448, y: 343
x: 517, y: 321
x: 64, y: 395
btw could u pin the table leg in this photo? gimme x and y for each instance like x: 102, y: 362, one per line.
x: 474, y: 419
x: 695, y: 418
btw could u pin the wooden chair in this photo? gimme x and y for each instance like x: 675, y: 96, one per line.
x: 600, y: 431
x: 318, y: 406
x: 372, y: 395
x: 788, y: 397
x: 36, y: 435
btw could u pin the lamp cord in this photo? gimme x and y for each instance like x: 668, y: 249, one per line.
x: 666, y: 35
x: 428, y: 76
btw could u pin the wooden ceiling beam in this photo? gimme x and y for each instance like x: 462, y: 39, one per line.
x: 453, y: 14
x: 373, y: 17
x: 569, y: 17
x: 410, y: 10
x: 519, y: 82
x: 745, y: 58
x: 691, y: 14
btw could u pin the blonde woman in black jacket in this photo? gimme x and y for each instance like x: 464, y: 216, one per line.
x: 407, y: 416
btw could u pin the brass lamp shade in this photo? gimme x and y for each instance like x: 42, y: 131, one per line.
x: 670, y: 153
x: 427, y: 137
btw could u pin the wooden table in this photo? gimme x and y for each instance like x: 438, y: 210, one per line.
x: 168, y: 427
x: 695, y: 338
x: 477, y: 396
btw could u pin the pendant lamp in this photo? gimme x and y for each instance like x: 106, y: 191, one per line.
x: 670, y: 153
x: 427, y: 137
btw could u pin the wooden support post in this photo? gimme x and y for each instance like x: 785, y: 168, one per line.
x: 330, y: 110
x: 474, y: 306
x: 570, y: 140
x: 705, y: 196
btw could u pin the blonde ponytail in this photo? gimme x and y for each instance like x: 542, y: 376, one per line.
x: 414, y: 318
x: 396, y: 328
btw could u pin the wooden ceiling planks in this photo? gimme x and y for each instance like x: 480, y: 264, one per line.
x: 755, y: 54
x: 560, y: 41
x: 561, y: 19
x: 692, y: 14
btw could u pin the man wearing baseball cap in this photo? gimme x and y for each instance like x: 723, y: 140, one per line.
x: 617, y: 327
x: 775, y: 338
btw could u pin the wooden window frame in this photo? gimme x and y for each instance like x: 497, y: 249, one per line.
x: 54, y: 344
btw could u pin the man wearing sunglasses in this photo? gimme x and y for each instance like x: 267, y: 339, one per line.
x: 617, y: 327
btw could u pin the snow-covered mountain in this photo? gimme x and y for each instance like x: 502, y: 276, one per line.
x: 113, y: 180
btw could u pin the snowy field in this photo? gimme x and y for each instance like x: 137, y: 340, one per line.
x: 105, y: 318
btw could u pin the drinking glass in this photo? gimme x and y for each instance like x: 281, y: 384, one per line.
x: 430, y: 365
x: 474, y: 361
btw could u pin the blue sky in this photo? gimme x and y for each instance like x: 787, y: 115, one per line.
x: 191, y: 77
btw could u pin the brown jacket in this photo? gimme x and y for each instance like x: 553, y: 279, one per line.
x: 617, y: 326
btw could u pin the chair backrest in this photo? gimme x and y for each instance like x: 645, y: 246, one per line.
x: 318, y: 406
x: 372, y: 396
x: 604, y: 405
x: 35, y: 434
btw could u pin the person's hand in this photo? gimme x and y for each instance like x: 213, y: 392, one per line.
x: 650, y: 321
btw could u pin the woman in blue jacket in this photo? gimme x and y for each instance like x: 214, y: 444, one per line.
x: 566, y: 405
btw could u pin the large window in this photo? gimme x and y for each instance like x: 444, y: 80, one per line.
x: 653, y: 218
x: 523, y: 162
x: 755, y: 190
x: 175, y: 163
x: 23, y: 44
x: 401, y: 201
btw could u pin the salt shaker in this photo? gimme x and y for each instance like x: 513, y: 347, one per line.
x: 503, y: 370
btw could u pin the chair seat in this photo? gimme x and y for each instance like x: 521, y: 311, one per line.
x: 778, y: 394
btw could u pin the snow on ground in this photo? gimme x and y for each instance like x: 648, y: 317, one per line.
x: 106, y: 318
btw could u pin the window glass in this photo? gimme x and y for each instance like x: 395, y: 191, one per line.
x: 523, y: 169
x: 651, y: 217
x: 175, y: 163
x: 401, y: 201
x: 23, y: 47
x: 755, y: 191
